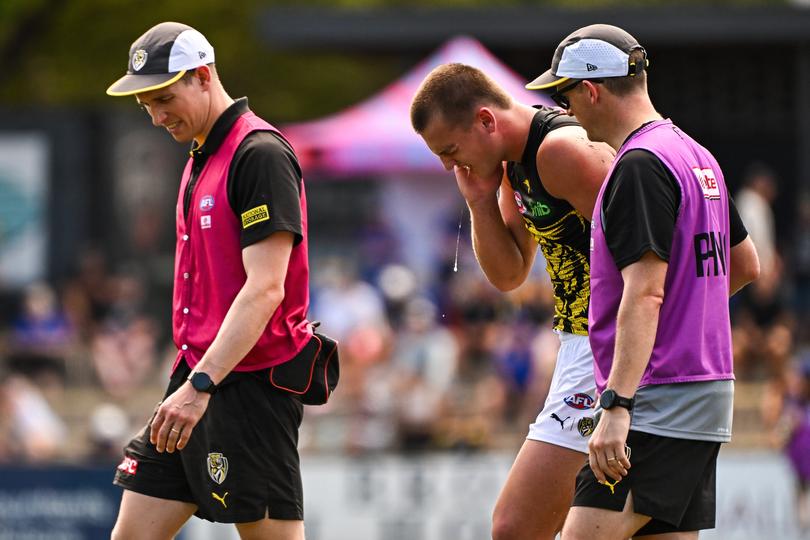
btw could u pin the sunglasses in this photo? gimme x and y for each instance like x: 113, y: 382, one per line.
x: 562, y: 100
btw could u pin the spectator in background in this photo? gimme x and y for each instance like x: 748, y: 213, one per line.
x: 41, y: 339
x: 754, y: 204
x: 522, y: 367
x: 368, y: 395
x: 801, y: 269
x: 764, y: 324
x: 425, y: 361
x: 789, y: 417
x: 108, y: 429
x: 124, y: 345
x: 30, y: 430
x: 342, y: 302
x: 7, y: 440
x: 476, y: 401
x: 89, y: 294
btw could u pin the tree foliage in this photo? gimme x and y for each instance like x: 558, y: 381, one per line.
x: 66, y: 52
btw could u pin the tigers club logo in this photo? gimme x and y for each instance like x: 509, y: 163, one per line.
x: 585, y: 426
x: 579, y: 401
x: 217, y: 467
x: 139, y: 59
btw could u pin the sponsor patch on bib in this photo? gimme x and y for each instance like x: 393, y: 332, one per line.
x: 708, y: 183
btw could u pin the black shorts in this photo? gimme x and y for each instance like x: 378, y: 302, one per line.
x: 241, y: 463
x: 671, y: 480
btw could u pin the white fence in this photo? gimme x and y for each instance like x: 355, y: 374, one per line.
x: 450, y: 497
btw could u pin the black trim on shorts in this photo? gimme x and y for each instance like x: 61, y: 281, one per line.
x: 671, y: 480
x: 242, y: 461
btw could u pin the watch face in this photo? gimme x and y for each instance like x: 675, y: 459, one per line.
x: 201, y: 382
x: 608, y: 399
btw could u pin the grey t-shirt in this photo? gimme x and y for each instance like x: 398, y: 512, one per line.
x: 701, y: 411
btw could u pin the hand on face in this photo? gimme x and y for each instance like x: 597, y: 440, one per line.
x: 476, y: 186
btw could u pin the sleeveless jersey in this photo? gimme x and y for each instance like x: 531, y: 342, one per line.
x: 561, y: 231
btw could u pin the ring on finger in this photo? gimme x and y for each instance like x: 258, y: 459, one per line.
x: 175, y: 430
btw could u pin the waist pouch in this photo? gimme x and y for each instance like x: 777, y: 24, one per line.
x: 312, y: 374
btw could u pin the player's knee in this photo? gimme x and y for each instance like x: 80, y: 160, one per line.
x: 509, y: 526
x: 125, y: 531
x: 503, y: 529
x: 571, y: 533
x: 119, y: 532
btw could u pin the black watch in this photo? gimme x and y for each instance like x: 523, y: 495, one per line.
x: 202, y: 382
x: 611, y: 399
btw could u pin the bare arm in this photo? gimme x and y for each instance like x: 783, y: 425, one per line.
x: 636, y: 327
x: 265, y: 264
x: 743, y: 265
x: 502, y: 245
x: 573, y: 168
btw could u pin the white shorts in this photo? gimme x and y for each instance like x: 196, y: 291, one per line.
x: 567, y: 416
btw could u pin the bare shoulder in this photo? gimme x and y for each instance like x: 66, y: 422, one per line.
x: 570, y: 145
x: 572, y: 167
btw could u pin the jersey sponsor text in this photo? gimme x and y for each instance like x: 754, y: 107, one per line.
x: 710, y: 251
x: 255, y: 215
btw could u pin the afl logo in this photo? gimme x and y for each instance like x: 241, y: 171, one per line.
x: 207, y: 203
x: 139, y: 59
x: 519, y: 201
x: 579, y: 401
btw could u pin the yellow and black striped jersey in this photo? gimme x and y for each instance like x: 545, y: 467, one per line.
x: 561, y: 231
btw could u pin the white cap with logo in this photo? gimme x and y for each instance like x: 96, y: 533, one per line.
x: 593, y: 52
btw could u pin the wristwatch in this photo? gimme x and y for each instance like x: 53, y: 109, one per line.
x: 202, y: 382
x: 611, y: 399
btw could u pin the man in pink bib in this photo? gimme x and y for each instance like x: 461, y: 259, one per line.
x: 667, y: 250
x: 223, y: 442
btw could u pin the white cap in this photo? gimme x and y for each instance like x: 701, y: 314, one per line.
x: 593, y: 52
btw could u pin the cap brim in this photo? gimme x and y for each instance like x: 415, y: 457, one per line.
x: 135, y: 84
x: 546, y: 80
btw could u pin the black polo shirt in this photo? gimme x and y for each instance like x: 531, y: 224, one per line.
x: 264, y: 170
x: 640, y: 206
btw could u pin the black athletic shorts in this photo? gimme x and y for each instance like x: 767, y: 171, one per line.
x: 241, y: 463
x: 671, y: 480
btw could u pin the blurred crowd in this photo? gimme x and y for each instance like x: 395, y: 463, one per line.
x: 446, y: 363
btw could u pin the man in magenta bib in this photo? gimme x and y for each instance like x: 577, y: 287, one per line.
x: 667, y: 250
x: 223, y: 443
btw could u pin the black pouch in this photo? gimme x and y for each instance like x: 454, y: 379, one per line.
x: 312, y: 374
